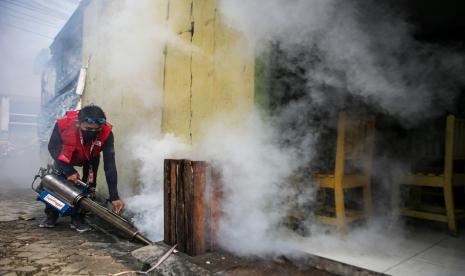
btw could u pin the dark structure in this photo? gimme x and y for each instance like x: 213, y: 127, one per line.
x: 191, y: 206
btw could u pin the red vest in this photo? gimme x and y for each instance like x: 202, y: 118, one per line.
x: 73, y: 151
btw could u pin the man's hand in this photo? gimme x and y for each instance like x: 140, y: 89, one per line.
x: 118, y: 205
x: 74, y: 178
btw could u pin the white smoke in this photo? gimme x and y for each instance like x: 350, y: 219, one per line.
x: 363, y: 48
x: 133, y: 36
x: 368, y: 53
x: 149, y: 153
x: 24, y: 51
x: 350, y: 47
x: 253, y: 169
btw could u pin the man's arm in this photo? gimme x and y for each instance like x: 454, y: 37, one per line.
x: 109, y: 165
x: 54, y: 147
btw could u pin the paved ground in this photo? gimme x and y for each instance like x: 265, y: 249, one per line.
x: 416, y: 250
x: 26, y: 249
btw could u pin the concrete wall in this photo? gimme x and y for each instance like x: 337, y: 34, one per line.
x: 187, y: 83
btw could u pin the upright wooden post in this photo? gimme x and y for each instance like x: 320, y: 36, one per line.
x: 190, y: 209
x: 448, y: 172
x: 216, y: 194
x: 339, y: 173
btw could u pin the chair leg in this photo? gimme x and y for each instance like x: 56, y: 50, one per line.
x: 450, y: 208
x: 340, y: 208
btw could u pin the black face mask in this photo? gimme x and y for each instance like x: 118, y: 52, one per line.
x: 89, y: 135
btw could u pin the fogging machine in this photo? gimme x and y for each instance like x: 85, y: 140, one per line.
x: 65, y: 196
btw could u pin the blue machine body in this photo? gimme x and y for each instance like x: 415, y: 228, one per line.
x: 64, y: 208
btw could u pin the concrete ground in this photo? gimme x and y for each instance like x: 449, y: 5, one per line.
x: 26, y: 249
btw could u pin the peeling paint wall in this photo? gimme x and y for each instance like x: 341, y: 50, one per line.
x: 214, y: 78
x: 207, y: 74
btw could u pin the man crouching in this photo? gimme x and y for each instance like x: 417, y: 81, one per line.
x: 77, y: 140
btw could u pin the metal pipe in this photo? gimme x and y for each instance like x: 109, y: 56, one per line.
x: 114, y: 219
x: 74, y: 197
x: 61, y: 188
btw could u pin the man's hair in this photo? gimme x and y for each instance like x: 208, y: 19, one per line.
x: 91, y: 111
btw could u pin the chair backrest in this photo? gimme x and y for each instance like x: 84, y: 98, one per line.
x: 355, y: 143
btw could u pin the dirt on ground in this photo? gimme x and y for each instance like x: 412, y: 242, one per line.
x: 26, y: 249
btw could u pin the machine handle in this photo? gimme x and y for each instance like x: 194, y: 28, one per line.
x: 82, y: 183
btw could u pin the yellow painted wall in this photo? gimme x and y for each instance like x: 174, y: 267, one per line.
x: 214, y: 78
x: 207, y: 73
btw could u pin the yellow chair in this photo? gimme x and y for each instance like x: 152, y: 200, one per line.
x: 353, y: 164
x: 446, y: 179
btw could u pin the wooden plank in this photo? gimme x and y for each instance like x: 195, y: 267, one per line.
x: 174, y: 168
x: 424, y: 215
x: 185, y: 201
x: 339, y: 172
x: 179, y: 210
x: 448, y: 171
x: 169, y: 201
x: 166, y: 204
x: 183, y: 212
x: 422, y: 180
x: 198, y: 212
x: 191, y: 210
x: 325, y: 181
x: 354, y: 181
x: 216, y: 193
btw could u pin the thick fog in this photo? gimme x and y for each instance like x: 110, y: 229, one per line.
x: 27, y: 29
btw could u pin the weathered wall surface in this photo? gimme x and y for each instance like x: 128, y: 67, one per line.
x: 203, y: 71
x: 214, y: 78
x: 119, y: 79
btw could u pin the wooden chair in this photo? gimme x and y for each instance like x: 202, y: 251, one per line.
x: 446, y: 179
x: 353, y: 164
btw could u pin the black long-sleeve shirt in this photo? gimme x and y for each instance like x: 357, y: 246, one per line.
x: 109, y: 164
